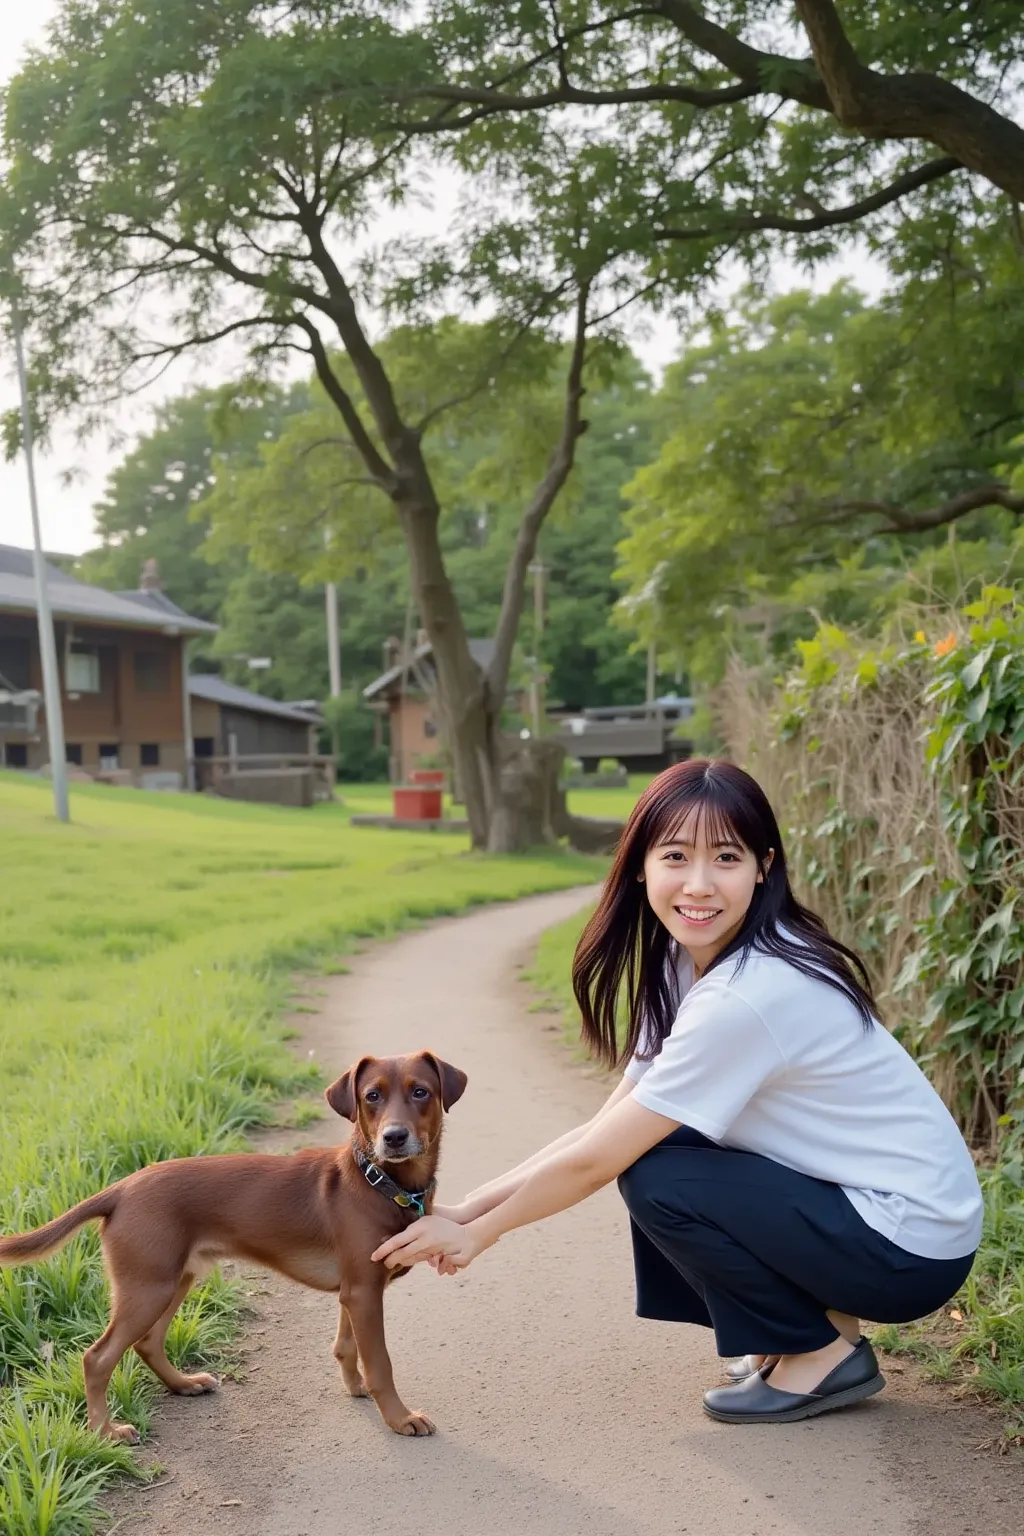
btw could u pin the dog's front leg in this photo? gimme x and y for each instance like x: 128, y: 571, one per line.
x: 365, y: 1307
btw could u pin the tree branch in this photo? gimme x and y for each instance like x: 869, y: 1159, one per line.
x: 369, y: 369
x: 912, y: 105
x: 899, y: 520
x: 488, y: 102
x: 750, y: 223
x: 772, y: 74
x: 379, y: 469
x: 559, y: 468
x: 996, y: 495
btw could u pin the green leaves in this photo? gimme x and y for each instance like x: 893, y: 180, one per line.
x: 807, y: 442
x: 943, y: 904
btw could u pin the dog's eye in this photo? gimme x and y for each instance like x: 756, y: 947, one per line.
x: 421, y: 1093
x: 372, y: 1096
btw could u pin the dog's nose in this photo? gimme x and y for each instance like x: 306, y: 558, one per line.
x: 394, y: 1137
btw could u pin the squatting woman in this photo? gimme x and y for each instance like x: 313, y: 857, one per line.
x: 787, y: 1167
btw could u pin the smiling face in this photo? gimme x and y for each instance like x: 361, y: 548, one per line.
x: 700, y: 883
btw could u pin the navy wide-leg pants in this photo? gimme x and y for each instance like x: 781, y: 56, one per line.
x: 742, y: 1244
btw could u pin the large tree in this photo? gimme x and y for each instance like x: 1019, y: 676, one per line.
x: 213, y: 157
x: 299, y: 508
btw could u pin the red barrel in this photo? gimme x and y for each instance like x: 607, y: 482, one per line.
x: 416, y: 802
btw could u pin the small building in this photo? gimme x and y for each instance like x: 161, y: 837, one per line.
x: 228, y: 721
x: 403, y: 696
x: 122, y: 668
x: 249, y: 747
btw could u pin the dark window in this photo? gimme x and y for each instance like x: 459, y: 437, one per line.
x: 152, y: 671
x: 149, y: 754
x: 110, y: 756
x: 203, y: 746
x: 73, y: 752
x: 82, y: 670
x: 16, y: 660
x: 16, y: 754
x: 429, y: 728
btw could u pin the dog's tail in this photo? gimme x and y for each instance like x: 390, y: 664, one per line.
x: 31, y: 1247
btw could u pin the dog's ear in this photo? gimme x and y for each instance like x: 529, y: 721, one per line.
x: 342, y: 1095
x: 453, y: 1082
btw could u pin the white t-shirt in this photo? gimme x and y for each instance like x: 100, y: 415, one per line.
x: 765, y: 1059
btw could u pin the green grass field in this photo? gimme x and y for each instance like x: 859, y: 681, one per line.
x: 979, y: 1350
x: 145, y: 957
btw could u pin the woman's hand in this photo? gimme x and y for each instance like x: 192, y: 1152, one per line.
x: 434, y: 1240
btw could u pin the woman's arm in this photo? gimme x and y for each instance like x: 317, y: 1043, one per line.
x: 612, y: 1142
x: 479, y: 1201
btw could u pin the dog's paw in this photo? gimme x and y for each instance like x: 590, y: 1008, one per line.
x: 356, y: 1387
x: 195, y: 1386
x: 126, y: 1434
x: 415, y: 1424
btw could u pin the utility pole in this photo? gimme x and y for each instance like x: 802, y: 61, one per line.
x: 333, y: 644
x: 47, y: 641
x: 652, y: 672
x: 537, y: 569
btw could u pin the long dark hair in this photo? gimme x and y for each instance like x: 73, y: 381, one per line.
x: 625, y: 943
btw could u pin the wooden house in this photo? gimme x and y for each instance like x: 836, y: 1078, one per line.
x: 403, y: 697
x: 123, y: 675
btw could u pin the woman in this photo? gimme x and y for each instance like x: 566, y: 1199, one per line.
x: 787, y: 1167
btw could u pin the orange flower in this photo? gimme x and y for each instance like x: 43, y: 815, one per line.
x: 943, y: 647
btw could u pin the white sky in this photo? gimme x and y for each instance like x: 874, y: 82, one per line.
x: 71, y: 474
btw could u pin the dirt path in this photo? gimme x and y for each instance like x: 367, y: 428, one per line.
x: 559, y: 1412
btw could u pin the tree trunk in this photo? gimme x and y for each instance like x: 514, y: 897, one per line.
x: 467, y: 726
x: 528, y: 802
x: 510, y: 787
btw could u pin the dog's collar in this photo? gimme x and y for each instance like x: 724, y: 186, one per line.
x: 378, y: 1179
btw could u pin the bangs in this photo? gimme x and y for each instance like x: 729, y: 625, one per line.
x: 700, y: 799
x: 685, y: 818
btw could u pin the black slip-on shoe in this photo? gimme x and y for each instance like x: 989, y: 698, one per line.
x: 755, y: 1401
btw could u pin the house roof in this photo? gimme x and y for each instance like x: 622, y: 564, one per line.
x: 482, y: 652
x: 74, y: 599
x: 204, y: 685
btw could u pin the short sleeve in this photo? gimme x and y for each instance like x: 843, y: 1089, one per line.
x: 679, y: 968
x: 713, y: 1061
x: 635, y: 1068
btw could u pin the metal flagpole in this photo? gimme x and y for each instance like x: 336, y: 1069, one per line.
x: 47, y: 642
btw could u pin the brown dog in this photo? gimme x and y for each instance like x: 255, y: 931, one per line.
x: 315, y: 1216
